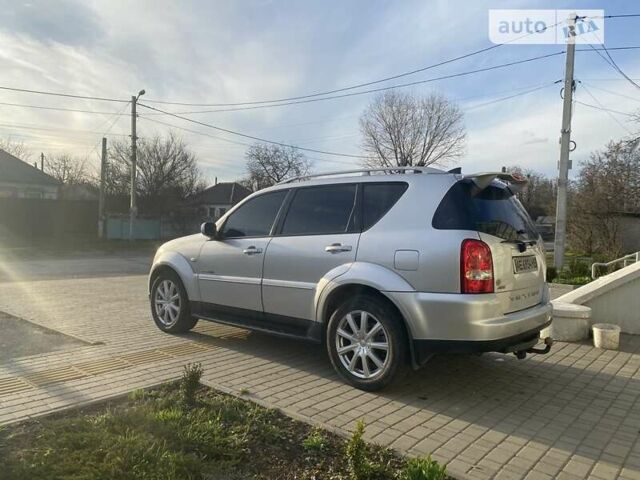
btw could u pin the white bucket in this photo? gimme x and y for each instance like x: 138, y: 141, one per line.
x: 606, y: 335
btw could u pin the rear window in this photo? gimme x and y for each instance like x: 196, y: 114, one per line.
x: 494, y: 210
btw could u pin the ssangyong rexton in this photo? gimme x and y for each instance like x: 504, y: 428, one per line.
x: 386, y: 267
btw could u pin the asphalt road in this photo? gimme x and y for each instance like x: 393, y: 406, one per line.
x: 84, y: 264
x: 21, y: 338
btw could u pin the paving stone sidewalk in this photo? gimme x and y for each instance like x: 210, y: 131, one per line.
x: 574, y: 413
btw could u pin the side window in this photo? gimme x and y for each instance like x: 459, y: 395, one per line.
x: 377, y: 199
x: 320, y: 210
x: 254, y: 218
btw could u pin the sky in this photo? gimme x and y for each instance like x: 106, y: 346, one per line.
x: 243, y: 51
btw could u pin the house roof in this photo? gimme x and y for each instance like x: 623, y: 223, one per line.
x: 14, y: 170
x: 228, y: 193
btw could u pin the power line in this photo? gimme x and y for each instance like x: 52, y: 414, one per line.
x: 612, y: 62
x: 602, y: 107
x: 375, y: 90
x: 329, y: 92
x: 353, y: 87
x: 51, y: 129
x: 526, y: 92
x: 615, y: 65
x: 531, y: 90
x: 622, y: 16
x: 116, y: 117
x: 69, y: 95
x: 196, y: 132
x: 39, y: 107
x: 244, y: 135
x: 611, y: 92
x: 605, y: 109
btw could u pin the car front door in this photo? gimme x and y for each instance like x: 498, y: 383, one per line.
x: 230, y: 266
x: 319, y: 232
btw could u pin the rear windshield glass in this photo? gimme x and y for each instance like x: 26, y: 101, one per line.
x: 494, y: 210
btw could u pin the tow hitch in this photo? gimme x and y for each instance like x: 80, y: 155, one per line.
x: 522, y: 354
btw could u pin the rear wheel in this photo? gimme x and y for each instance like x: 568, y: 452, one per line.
x: 170, y: 304
x: 366, y: 342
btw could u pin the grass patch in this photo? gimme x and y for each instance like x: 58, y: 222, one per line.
x: 183, y: 431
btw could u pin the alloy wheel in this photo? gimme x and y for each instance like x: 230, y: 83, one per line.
x: 362, y: 344
x: 167, y: 302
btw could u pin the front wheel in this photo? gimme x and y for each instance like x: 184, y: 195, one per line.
x: 170, y: 304
x: 366, y: 342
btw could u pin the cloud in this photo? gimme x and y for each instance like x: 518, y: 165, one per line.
x: 232, y: 52
x: 66, y: 21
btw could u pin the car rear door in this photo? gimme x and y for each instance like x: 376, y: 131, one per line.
x: 318, y: 233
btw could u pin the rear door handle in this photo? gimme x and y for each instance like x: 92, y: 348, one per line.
x: 252, y: 250
x: 337, y: 248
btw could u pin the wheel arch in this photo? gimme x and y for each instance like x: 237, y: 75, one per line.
x: 363, y: 278
x: 179, y: 265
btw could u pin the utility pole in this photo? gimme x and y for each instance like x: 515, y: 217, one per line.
x: 42, y: 161
x: 565, y: 147
x: 103, y: 174
x: 133, y: 209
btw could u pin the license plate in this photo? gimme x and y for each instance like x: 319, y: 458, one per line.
x: 525, y: 264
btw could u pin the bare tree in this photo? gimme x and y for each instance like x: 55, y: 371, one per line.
x: 167, y: 171
x: 606, y: 190
x: 17, y: 148
x: 400, y: 129
x: 67, y: 169
x: 269, y: 164
x: 539, y: 193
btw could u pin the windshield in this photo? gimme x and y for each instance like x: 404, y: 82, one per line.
x: 494, y: 210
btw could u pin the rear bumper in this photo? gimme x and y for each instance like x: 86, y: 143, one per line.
x: 423, y: 349
x: 468, y: 323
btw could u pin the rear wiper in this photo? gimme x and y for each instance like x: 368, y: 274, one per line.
x: 522, y: 244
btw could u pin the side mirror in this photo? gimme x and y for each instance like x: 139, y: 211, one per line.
x: 208, y: 229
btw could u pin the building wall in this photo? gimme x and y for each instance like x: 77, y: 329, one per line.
x: 215, y: 211
x: 23, y: 190
x: 32, y: 219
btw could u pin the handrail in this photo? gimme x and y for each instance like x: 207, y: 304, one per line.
x: 365, y: 171
x: 634, y: 257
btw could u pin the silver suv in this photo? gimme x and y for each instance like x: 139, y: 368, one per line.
x: 386, y: 267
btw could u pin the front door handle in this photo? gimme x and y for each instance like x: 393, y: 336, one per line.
x: 337, y: 248
x: 252, y: 250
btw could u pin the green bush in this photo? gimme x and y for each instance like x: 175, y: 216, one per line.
x: 423, y: 469
x: 190, y: 382
x: 356, y: 453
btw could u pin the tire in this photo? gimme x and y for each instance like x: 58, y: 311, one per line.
x: 368, y: 363
x: 170, y: 304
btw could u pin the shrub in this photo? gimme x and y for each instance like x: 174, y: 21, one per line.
x: 356, y: 453
x: 423, y: 469
x: 190, y: 382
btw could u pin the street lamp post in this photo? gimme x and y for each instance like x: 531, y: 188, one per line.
x: 133, y: 209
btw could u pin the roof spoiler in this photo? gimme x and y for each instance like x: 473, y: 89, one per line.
x: 483, y: 180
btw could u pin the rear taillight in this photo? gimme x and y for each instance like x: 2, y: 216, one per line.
x: 476, y: 267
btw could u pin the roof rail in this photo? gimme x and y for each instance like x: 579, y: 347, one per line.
x: 364, y: 171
